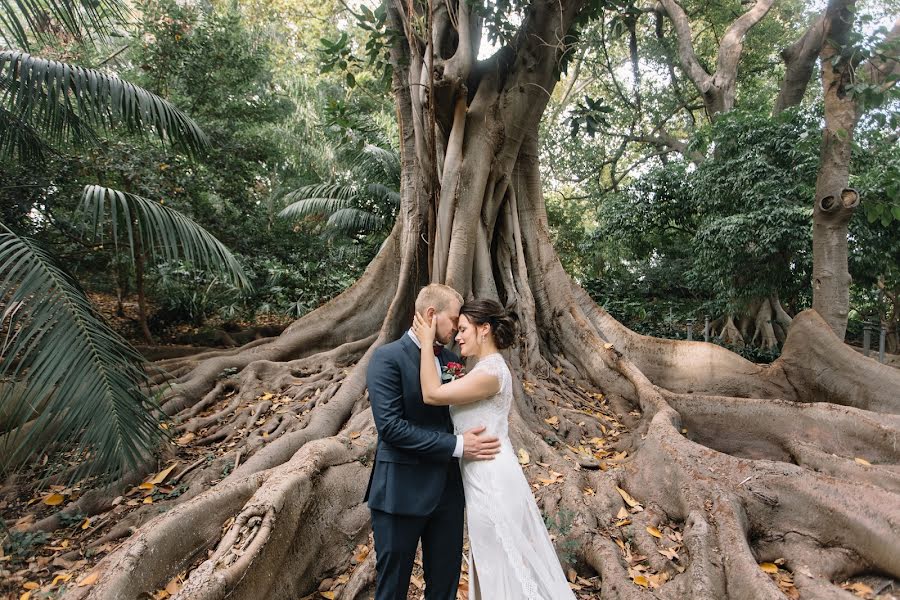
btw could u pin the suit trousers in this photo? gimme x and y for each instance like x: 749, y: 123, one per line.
x: 396, y: 539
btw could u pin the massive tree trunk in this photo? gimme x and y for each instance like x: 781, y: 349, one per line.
x: 835, y: 203
x: 732, y: 463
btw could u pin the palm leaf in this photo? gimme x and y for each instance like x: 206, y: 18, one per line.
x: 22, y: 20
x: 57, y: 99
x: 318, y: 199
x: 19, y: 139
x: 164, y: 232
x: 68, y: 379
x: 331, y: 191
x: 387, y: 159
x: 383, y: 192
x: 353, y: 220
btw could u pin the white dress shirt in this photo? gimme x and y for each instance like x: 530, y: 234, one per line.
x: 458, y: 452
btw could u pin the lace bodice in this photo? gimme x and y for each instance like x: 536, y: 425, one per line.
x: 491, y: 412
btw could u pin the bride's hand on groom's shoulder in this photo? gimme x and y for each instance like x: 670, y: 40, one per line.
x: 424, y: 329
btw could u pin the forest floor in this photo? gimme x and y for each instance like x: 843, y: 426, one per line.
x: 44, y: 562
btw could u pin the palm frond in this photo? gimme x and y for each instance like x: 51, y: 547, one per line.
x: 313, y: 206
x: 47, y: 93
x: 334, y: 191
x: 22, y: 20
x: 355, y: 220
x: 164, y: 232
x: 385, y: 193
x: 387, y: 159
x: 68, y: 378
x: 20, y: 140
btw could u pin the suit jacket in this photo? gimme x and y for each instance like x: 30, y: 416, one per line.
x: 414, y: 464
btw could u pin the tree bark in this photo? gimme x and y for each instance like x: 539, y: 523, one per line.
x: 799, y: 62
x: 717, y: 89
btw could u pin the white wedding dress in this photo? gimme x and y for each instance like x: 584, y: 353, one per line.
x: 511, y: 556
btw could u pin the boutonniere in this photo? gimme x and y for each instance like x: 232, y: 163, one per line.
x: 451, y: 371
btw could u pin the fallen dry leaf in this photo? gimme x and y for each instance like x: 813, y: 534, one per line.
x: 629, y: 500
x: 173, y: 586
x: 642, y: 581
x: 859, y: 588
x: 623, y: 513
x: 669, y: 553
x: 361, y: 553
x: 654, y: 531
x: 768, y: 567
x: 89, y: 579
x: 161, y: 476
x: 554, y: 478
x: 524, y: 459
x: 862, y: 461
x: 54, y: 500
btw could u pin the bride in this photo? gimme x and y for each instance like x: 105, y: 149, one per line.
x: 511, y: 555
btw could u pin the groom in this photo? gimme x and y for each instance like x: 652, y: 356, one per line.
x: 415, y: 491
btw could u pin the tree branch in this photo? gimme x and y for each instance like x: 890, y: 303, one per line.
x: 717, y: 89
x: 799, y: 61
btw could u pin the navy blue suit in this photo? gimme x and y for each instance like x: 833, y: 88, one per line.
x: 415, y: 491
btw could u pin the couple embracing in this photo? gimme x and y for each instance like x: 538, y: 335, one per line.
x: 444, y: 450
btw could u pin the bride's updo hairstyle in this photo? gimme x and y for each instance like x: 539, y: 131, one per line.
x: 503, y: 322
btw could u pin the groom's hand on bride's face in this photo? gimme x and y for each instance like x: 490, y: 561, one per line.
x: 479, y: 447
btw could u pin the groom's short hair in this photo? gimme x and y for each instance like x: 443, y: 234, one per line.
x: 437, y: 295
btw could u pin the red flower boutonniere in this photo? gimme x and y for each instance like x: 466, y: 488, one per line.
x: 451, y: 371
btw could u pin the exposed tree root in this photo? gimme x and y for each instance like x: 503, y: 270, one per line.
x: 713, y: 484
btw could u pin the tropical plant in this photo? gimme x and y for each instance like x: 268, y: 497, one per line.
x: 67, y: 380
x: 23, y: 21
x: 46, y: 103
x: 66, y: 375
x: 365, y: 201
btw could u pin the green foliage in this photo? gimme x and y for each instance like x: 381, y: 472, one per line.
x: 365, y: 202
x: 65, y: 370
x: 735, y: 227
x: 21, y: 545
x: 21, y: 21
x: 591, y: 115
x: 340, y: 55
x: 187, y: 294
x: 561, y: 526
x: 161, y: 231
x: 46, y: 103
